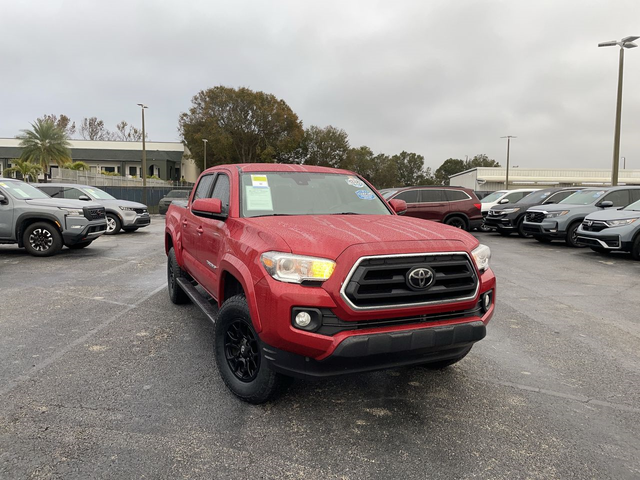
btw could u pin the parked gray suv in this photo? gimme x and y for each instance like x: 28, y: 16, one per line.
x: 121, y: 214
x: 613, y: 230
x: 561, y: 221
x: 42, y: 225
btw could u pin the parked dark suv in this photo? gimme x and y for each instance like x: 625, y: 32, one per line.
x: 455, y: 206
x: 510, y: 218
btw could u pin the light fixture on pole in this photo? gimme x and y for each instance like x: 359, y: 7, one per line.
x: 508, y: 137
x: 626, y: 42
x: 144, y: 157
x: 204, y: 140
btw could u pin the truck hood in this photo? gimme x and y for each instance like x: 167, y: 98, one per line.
x: 329, y: 235
x: 61, y: 202
x: 121, y: 203
x: 613, y: 214
x: 559, y: 207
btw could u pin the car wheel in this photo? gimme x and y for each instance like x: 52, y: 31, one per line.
x: 445, y: 363
x: 239, y: 356
x: 484, y: 228
x: 78, y: 246
x: 521, y: 231
x: 113, y: 224
x: 174, y: 272
x: 42, y: 239
x: 635, y: 249
x: 457, y: 222
x: 130, y: 229
x: 542, y: 239
x: 572, y: 235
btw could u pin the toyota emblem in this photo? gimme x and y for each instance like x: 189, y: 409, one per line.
x: 420, y: 278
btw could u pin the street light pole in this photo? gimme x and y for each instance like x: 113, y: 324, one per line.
x: 508, y: 137
x: 626, y: 42
x: 144, y: 157
x: 205, y: 154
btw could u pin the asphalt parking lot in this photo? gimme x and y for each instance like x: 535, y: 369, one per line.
x: 102, y: 377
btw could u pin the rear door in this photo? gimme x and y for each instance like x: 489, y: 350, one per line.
x: 433, y: 204
x: 620, y: 198
x: 190, y: 225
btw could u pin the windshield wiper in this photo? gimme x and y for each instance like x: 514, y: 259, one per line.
x: 346, y: 213
x: 275, y: 215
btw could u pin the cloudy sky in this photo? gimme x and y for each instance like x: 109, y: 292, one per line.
x: 443, y: 78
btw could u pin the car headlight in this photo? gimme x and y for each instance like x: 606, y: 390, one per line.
x: 620, y: 223
x: 556, y: 214
x: 73, y: 212
x: 128, y: 209
x: 511, y: 210
x: 289, y: 268
x: 481, y: 255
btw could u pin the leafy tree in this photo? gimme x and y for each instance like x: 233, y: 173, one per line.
x: 480, y: 160
x: 44, y: 144
x: 241, y: 126
x: 28, y: 171
x: 379, y: 169
x: 449, y: 167
x: 327, y: 147
x: 94, y: 129
x: 62, y: 122
x: 127, y: 133
x: 410, y: 169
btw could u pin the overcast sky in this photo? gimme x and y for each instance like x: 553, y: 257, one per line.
x: 440, y: 78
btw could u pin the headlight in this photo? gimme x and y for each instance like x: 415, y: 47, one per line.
x: 73, y: 212
x: 556, y: 214
x: 289, y: 268
x: 511, y: 210
x: 620, y: 223
x: 481, y: 256
x: 128, y: 209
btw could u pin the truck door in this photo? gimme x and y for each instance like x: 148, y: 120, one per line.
x: 6, y: 216
x: 190, y: 235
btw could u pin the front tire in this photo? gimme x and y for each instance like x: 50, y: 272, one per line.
x: 174, y: 272
x: 113, y: 224
x: 484, y: 228
x: 521, y: 231
x: 572, y: 235
x: 42, y: 239
x: 635, y: 249
x: 239, y: 355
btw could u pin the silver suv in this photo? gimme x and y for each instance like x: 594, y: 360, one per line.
x: 121, y: 214
x: 561, y: 221
x: 613, y: 230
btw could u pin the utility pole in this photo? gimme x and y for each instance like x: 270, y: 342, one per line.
x: 508, y: 137
x: 144, y: 158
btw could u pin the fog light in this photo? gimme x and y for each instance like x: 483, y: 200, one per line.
x: 486, y: 302
x: 303, y: 319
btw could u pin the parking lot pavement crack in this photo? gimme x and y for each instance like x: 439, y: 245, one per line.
x: 79, y: 341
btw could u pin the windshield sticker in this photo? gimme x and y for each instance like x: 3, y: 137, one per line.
x: 355, y: 182
x: 597, y: 194
x: 258, y: 198
x: 546, y: 194
x: 259, y: 181
x: 92, y: 192
x: 3, y: 185
x: 365, y: 195
x: 21, y: 193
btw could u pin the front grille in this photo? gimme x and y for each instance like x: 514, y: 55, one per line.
x: 591, y: 226
x: 493, y: 213
x: 140, y: 210
x: 94, y: 213
x: 381, y: 282
x: 535, y: 217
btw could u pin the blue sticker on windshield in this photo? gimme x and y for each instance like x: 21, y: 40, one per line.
x: 365, y: 195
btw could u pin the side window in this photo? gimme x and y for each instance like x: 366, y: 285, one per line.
x: 558, y: 196
x: 202, y: 190
x: 221, y: 191
x: 514, y: 197
x: 455, y: 195
x: 409, y: 196
x: 53, y: 192
x: 620, y: 198
x: 431, y: 195
x: 635, y: 194
x: 72, y: 193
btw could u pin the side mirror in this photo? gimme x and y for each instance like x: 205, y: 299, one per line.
x: 606, y: 204
x: 208, y: 208
x: 84, y: 198
x: 399, y: 206
x: 503, y: 201
x: 3, y: 199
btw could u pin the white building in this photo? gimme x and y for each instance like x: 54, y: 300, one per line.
x: 493, y: 178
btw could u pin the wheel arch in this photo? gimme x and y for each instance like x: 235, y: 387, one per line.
x: 235, y: 275
x: 27, y: 219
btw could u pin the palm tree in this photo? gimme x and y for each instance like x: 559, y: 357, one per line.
x: 28, y: 170
x: 44, y: 144
x: 76, y: 166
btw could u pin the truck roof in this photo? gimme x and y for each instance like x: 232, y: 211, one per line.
x: 284, y: 167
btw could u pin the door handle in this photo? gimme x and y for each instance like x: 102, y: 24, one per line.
x: 200, y: 230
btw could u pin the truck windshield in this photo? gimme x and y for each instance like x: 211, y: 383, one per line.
x: 303, y: 193
x: 493, y: 197
x: 584, y: 197
x: 22, y: 190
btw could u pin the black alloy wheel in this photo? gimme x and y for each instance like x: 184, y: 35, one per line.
x: 457, y: 222
x: 241, y: 350
x: 42, y: 239
x: 572, y: 235
x: 174, y: 272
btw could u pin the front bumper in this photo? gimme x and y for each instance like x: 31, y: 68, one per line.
x: 502, y: 223
x: 76, y: 232
x: 605, y: 239
x: 548, y: 229
x: 137, y: 220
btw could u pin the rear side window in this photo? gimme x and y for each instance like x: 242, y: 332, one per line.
x: 73, y: 193
x: 203, y: 188
x: 53, y: 192
x: 635, y: 195
x: 429, y: 195
x: 559, y: 196
x: 455, y: 195
x: 409, y: 196
x: 221, y: 191
x: 620, y: 198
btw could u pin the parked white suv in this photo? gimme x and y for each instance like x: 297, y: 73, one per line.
x: 501, y: 197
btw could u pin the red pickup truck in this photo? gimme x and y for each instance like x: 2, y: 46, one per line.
x: 315, y: 274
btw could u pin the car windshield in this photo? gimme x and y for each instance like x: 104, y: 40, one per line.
x: 178, y: 194
x: 635, y: 206
x: 535, y: 197
x: 22, y: 190
x: 584, y: 197
x: 98, y: 194
x: 493, y: 197
x: 303, y: 193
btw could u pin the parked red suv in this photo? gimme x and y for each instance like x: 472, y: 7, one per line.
x: 455, y: 206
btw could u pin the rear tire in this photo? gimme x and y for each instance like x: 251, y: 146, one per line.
x: 42, y: 239
x: 635, y: 249
x: 572, y: 235
x: 240, y: 357
x: 174, y: 272
x: 446, y: 363
x: 78, y: 246
x: 457, y: 222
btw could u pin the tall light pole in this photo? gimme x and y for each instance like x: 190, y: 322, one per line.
x: 204, y: 140
x: 508, y: 137
x: 144, y: 157
x: 626, y: 42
